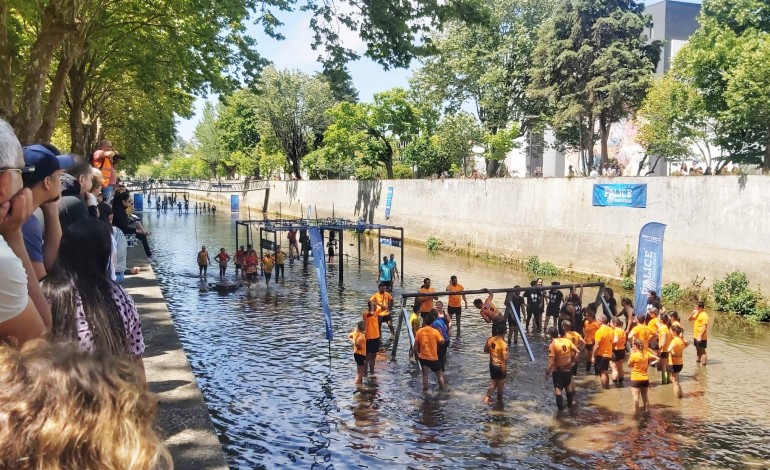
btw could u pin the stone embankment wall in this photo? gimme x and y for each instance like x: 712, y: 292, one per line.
x: 714, y: 224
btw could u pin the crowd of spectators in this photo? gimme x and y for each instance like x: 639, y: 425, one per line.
x: 73, y: 392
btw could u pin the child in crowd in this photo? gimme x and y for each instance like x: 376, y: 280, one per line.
x: 497, y: 349
x: 358, y: 337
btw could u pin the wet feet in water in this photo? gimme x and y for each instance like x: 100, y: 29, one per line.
x: 486, y: 399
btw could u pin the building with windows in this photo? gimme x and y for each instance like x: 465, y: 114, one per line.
x: 672, y: 22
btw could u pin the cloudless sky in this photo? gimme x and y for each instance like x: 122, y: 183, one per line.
x: 295, y: 52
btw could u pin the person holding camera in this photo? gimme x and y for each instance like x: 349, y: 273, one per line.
x: 104, y: 159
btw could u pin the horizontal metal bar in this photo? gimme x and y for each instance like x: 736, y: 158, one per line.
x: 501, y: 290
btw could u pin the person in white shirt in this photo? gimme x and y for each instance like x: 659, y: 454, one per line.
x: 24, y: 311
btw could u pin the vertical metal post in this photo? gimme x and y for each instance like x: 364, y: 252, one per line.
x: 402, y: 256
x: 517, y: 316
x: 359, y: 247
x: 379, y: 247
x: 305, y: 250
x: 340, y: 254
x: 398, y: 328
x: 260, y: 243
x: 237, y: 226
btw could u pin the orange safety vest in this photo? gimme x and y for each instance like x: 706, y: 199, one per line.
x: 104, y: 165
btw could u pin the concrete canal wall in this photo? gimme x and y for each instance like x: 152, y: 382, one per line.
x: 714, y: 224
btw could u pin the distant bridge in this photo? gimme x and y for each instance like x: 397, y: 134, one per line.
x: 163, y: 186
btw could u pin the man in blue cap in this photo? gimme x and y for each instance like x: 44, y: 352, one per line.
x: 45, y: 184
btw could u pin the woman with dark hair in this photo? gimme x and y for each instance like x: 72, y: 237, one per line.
x: 120, y: 202
x: 86, y: 306
x: 119, y: 245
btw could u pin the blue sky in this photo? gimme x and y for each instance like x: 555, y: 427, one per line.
x: 294, y: 52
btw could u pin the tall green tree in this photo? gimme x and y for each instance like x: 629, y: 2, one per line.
x: 488, y: 65
x: 292, y: 108
x: 593, y: 65
x: 370, y: 132
x: 726, y: 60
x: 672, y: 122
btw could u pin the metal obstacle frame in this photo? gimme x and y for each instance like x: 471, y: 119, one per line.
x: 404, y: 317
x: 338, y: 225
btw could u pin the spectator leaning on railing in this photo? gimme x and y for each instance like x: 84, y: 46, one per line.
x: 24, y: 311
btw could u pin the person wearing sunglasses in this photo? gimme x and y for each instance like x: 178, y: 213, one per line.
x: 24, y: 311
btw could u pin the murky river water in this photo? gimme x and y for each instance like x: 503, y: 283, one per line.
x: 278, y: 400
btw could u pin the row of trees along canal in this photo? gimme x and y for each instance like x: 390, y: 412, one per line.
x: 75, y: 71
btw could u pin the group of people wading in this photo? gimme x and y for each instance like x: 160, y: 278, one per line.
x: 598, y: 335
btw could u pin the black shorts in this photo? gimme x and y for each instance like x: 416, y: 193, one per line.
x: 618, y: 354
x: 360, y: 359
x: 387, y: 284
x: 496, y: 372
x: 238, y: 265
x: 551, y: 313
x: 574, y: 370
x: 373, y: 346
x: 677, y: 368
x: 589, y: 348
x: 251, y: 276
x: 435, y: 366
x: 640, y: 383
x: 664, y: 355
x: 700, y: 344
x: 562, y: 378
x: 385, y: 318
x: 454, y: 311
x: 602, y: 364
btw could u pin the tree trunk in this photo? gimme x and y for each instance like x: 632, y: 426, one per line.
x: 604, y: 134
x: 591, y: 142
x: 54, y: 30
x: 6, y: 65
x: 389, y: 161
x: 77, y: 144
x: 766, y: 161
x: 58, y: 87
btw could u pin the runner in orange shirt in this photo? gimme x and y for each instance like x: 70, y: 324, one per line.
x: 579, y: 343
x: 590, y: 325
x: 372, y: 332
x: 700, y: 331
x: 664, y: 339
x: 358, y: 337
x: 641, y: 331
x: 639, y: 362
x: 498, y: 359
x: 454, y: 308
x: 676, y: 351
x: 426, y: 302
x: 602, y: 354
x: 488, y: 310
x: 384, y: 302
x: 618, y: 350
x: 426, y: 346
x: 562, y: 354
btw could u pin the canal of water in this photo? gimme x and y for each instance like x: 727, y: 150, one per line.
x: 280, y: 396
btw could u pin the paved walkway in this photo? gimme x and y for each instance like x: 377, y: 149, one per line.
x: 183, y: 418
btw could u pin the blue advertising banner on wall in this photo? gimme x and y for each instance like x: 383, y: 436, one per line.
x: 388, y: 202
x: 649, y: 263
x: 319, y: 261
x: 235, y: 203
x: 620, y: 195
x: 138, y: 202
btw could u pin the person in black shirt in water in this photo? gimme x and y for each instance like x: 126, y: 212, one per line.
x: 535, y: 305
x: 518, y: 302
x: 555, y: 296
